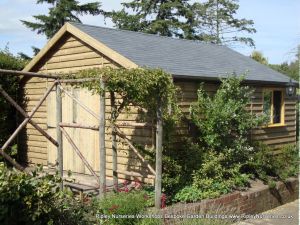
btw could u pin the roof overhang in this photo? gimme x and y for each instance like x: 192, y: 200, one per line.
x: 217, y: 80
x: 103, y: 49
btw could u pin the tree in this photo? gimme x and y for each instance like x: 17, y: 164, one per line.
x: 163, y: 17
x: 211, y: 21
x: 11, y: 85
x: 217, y: 23
x: 291, y: 69
x: 61, y: 12
x: 259, y: 57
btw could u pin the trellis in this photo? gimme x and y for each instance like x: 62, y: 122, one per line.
x: 60, y: 132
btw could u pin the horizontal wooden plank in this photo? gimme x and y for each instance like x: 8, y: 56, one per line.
x: 274, y: 130
x: 37, y: 155
x: 33, y: 98
x: 77, y: 63
x: 75, y: 50
x: 42, y: 109
x: 42, y: 125
x: 277, y: 136
x: 32, y: 104
x: 36, y: 161
x: 37, y: 143
x: 75, y: 69
x: 71, y: 44
x: 74, y: 57
x: 39, y: 114
x: 38, y: 149
x: 281, y: 140
x: 37, y: 138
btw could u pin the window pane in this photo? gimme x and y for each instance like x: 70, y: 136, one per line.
x: 277, y: 107
x: 267, y: 103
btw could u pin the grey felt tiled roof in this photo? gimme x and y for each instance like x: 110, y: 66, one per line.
x: 181, y: 57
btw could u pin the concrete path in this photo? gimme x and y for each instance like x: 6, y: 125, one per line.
x: 288, y: 215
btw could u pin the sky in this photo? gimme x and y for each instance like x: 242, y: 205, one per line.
x: 277, y: 23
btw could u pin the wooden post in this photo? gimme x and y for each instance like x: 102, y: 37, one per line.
x: 102, y: 149
x: 60, y: 161
x: 122, y: 135
x: 27, y: 74
x: 23, y: 124
x: 158, y: 160
x: 34, y: 124
x: 11, y: 160
x: 114, y: 140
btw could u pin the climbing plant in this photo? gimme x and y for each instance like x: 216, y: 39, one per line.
x: 141, y: 87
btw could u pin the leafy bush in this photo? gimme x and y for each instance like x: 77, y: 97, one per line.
x: 128, y: 204
x: 180, y: 158
x: 223, y: 124
x: 11, y: 85
x: 228, y: 158
x: 223, y: 120
x: 269, y: 165
x: 155, y: 217
x: 26, y: 199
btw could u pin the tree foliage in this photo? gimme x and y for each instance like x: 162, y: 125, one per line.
x: 290, y: 69
x: 212, y: 20
x: 259, y: 57
x: 218, y: 23
x: 10, y: 84
x: 166, y: 18
x: 61, y: 11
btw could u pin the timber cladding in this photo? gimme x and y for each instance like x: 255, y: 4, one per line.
x: 275, y: 137
x: 70, y: 54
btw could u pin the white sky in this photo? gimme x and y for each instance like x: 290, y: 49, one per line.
x: 277, y: 23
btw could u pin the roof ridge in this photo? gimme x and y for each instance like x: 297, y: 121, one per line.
x: 147, y: 34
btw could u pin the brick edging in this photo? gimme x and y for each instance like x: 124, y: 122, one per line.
x: 254, y: 200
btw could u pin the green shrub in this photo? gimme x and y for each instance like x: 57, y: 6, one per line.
x: 128, y: 204
x: 193, y: 194
x: 277, y: 165
x: 226, y: 158
x: 34, y: 200
x: 179, y: 162
x: 11, y: 85
x: 155, y: 218
x: 223, y: 146
x: 223, y: 121
x: 150, y: 221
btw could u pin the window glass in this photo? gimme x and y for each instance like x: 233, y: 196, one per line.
x: 267, y: 95
x: 277, y: 106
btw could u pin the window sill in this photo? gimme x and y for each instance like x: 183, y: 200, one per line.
x: 275, y: 125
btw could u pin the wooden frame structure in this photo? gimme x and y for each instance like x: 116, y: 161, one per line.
x: 60, y: 132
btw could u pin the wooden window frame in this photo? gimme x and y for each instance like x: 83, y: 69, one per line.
x: 282, y: 110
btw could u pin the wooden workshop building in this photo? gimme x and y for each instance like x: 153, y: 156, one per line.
x: 77, y: 47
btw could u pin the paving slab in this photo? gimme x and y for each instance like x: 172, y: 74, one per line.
x: 287, y: 214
